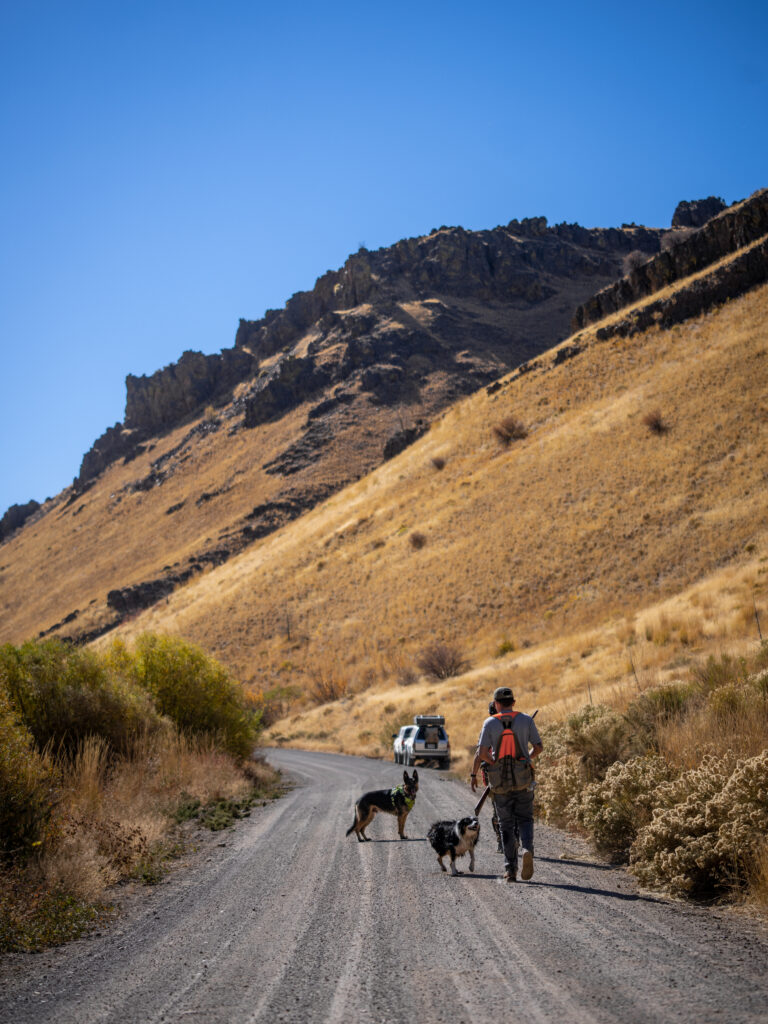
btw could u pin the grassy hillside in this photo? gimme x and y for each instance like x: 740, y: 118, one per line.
x: 629, y: 522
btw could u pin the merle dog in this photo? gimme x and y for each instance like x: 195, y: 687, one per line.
x: 454, y: 838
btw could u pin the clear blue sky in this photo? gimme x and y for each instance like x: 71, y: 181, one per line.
x: 168, y: 167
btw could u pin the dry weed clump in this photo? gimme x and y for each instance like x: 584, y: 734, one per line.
x: 417, y: 540
x: 655, y: 422
x: 510, y: 429
x: 442, y: 661
x: 326, y: 685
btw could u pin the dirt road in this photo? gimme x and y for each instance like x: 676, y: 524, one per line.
x: 291, y: 921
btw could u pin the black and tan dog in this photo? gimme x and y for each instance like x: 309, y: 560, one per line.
x: 454, y: 838
x: 397, y: 801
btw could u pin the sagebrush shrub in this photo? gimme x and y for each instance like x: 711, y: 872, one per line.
x: 193, y: 690
x: 717, y: 672
x: 655, y: 422
x: 599, y: 736
x: 677, y: 848
x: 65, y: 693
x: 613, y: 809
x: 557, y: 784
x: 657, y: 707
x: 27, y: 784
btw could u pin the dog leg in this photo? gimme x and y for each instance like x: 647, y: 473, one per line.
x: 353, y: 827
x: 453, y: 863
x: 442, y: 866
x: 472, y: 859
x: 364, y: 824
x: 401, y: 825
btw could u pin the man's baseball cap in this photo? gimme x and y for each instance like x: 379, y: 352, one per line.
x: 503, y: 693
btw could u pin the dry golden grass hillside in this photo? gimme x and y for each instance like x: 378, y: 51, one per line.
x: 623, y: 535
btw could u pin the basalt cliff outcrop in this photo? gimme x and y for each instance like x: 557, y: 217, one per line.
x: 730, y: 230
x: 354, y: 326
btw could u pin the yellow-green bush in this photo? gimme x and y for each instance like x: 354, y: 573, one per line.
x: 192, y: 689
x: 65, y: 693
x: 26, y: 785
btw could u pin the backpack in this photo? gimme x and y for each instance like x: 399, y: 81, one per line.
x: 512, y: 770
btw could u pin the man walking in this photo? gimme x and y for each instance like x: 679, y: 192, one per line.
x: 509, y: 742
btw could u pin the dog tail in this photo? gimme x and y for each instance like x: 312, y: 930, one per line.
x: 352, y: 827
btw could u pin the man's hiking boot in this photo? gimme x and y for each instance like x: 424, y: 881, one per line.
x: 527, y: 871
x: 510, y: 876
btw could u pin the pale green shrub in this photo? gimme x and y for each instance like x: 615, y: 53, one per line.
x: 676, y: 848
x: 557, y: 784
x: 657, y: 707
x: 613, y: 809
x: 743, y: 809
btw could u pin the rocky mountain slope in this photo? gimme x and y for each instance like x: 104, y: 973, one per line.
x: 217, y: 451
x: 583, y: 526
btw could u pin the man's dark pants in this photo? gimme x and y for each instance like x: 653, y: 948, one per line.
x: 515, y: 811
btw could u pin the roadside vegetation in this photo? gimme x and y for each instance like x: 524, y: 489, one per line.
x: 102, y: 756
x: 674, y: 783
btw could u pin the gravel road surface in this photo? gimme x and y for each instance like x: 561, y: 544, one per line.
x: 291, y: 921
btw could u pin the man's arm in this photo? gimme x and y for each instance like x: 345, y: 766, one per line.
x: 483, y: 754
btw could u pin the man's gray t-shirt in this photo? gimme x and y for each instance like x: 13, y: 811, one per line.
x: 523, y: 726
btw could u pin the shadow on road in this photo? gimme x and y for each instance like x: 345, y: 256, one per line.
x: 408, y: 839
x: 577, y: 863
x: 629, y: 897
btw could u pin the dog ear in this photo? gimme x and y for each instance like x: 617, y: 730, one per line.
x: 415, y: 775
x: 405, y: 777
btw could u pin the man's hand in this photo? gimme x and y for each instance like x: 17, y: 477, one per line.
x: 473, y: 783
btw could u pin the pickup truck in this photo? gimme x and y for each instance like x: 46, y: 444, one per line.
x: 426, y: 741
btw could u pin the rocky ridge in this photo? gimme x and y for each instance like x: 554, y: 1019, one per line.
x: 518, y: 267
x: 730, y: 230
x: 396, y: 334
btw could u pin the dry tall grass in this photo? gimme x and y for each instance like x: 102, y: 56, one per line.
x: 116, y: 820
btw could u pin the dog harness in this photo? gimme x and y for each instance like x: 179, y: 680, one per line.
x: 409, y: 801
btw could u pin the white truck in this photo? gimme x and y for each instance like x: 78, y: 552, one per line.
x: 426, y: 741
